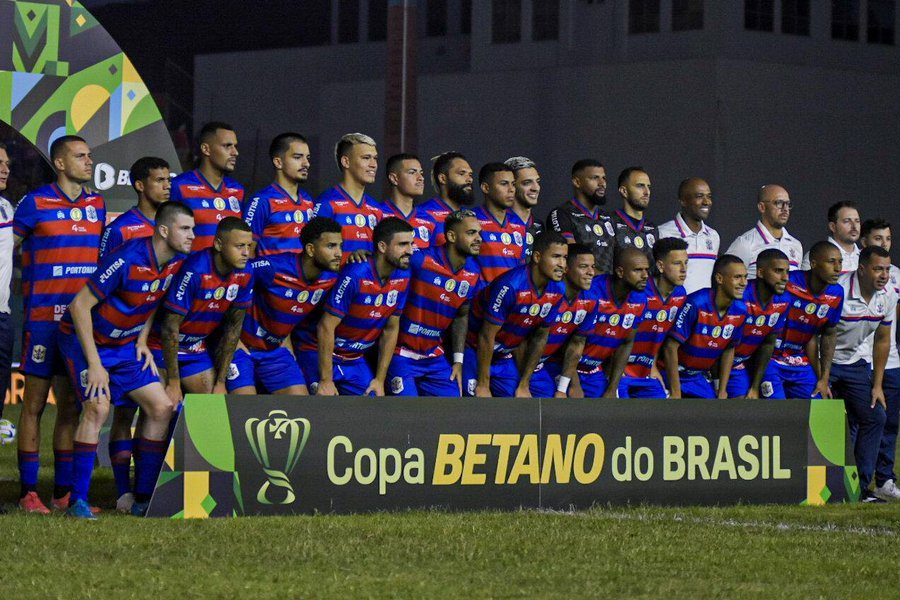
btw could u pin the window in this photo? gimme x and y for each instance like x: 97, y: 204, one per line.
x: 845, y: 19
x: 795, y: 17
x: 687, y: 15
x: 881, y: 22
x: 436, y: 18
x: 506, y: 21
x: 759, y: 15
x: 348, y: 21
x: 465, y: 25
x: 545, y: 24
x: 378, y: 10
x: 643, y: 16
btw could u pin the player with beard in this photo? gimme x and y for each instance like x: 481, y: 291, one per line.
x: 278, y: 213
x: 629, y: 224
x: 689, y: 224
x: 582, y: 219
x: 528, y: 190
x: 150, y: 179
x: 406, y: 182
x: 451, y: 178
x: 502, y: 231
x: 843, y: 226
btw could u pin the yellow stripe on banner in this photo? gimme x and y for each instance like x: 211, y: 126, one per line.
x: 170, y: 456
x: 196, y: 489
x: 815, y: 485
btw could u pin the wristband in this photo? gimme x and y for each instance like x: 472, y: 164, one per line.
x: 457, y: 358
x: 563, y: 384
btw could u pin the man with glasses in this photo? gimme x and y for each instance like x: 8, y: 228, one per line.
x: 774, y: 205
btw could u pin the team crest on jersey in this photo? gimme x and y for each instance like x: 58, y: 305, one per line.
x: 505, y: 238
x: 810, y: 308
x: 463, y: 289
x: 372, y: 221
x: 470, y: 386
x: 235, y: 205
x: 423, y: 233
x: 709, y: 245
x: 597, y: 229
x: 303, y: 296
x: 566, y: 317
x: 233, y: 372
x: 392, y: 298
x: 450, y: 285
x: 609, y: 229
x: 60, y: 214
x: 760, y: 320
x: 717, y: 331
x: 773, y: 318
x: 638, y: 242
x: 83, y: 378
x: 75, y: 214
x: 672, y: 312
x: 614, y: 320
x: 219, y: 293
x: 317, y: 295
x: 627, y: 240
x: 298, y: 216
x: 661, y: 315
x: 518, y: 237
x: 534, y: 310
x: 39, y: 354
x: 726, y: 333
x: 359, y: 221
x: 396, y: 385
x: 379, y: 299
x: 154, y: 286
x: 628, y: 321
x: 579, y: 316
x: 91, y: 213
x: 823, y: 310
x: 650, y: 240
x: 232, y: 292
x: 879, y: 305
x: 792, y: 253
x: 205, y: 204
x: 765, y: 389
x: 219, y: 203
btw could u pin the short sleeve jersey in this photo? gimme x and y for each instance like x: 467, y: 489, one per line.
x: 748, y: 245
x: 615, y: 322
x: 423, y: 225
x: 357, y: 221
x: 703, y: 249
x: 573, y: 317
x: 210, y: 204
x: 436, y: 210
x: 703, y: 334
x: 59, y: 252
x: 860, y: 318
x: 807, y: 315
x: 130, y: 225
x: 659, y: 317
x: 502, y: 243
x: 582, y: 225
x: 640, y: 234
x: 276, y: 219
x: 762, y: 320
x: 533, y: 228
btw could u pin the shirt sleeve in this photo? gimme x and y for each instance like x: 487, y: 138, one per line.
x: 499, y: 301
x: 180, y: 296
x: 256, y: 214
x: 323, y: 209
x: 109, y: 276
x: 342, y: 294
x: 245, y: 294
x: 25, y: 218
x: 560, y: 222
x: 684, y: 323
x: 111, y: 240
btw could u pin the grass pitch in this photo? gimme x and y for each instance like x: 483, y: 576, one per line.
x: 758, y: 551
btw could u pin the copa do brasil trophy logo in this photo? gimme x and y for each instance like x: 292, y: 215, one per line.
x: 277, y: 430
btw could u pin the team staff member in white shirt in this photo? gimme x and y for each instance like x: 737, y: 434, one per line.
x: 877, y: 232
x: 843, y: 223
x: 857, y: 370
x: 6, y: 257
x: 689, y: 224
x: 774, y: 206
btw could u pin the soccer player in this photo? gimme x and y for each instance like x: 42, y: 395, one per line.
x: 208, y: 190
x: 843, y: 225
x: 665, y: 297
x: 582, y: 219
x: 528, y: 190
x: 443, y: 281
x: 150, y: 179
x: 518, y: 307
x: 58, y: 227
x: 621, y: 303
x: 766, y: 309
x: 774, y: 205
x: 629, y: 224
x: 278, y: 213
x: 502, y: 231
x: 451, y: 178
x: 288, y: 289
x: 689, y: 224
x: 575, y: 320
x: 857, y: 371
x: 347, y: 202
x: 103, y: 337
x: 364, y: 306
x: 6, y: 268
x: 877, y: 232
x: 406, y: 180
x: 707, y: 329
x: 801, y: 362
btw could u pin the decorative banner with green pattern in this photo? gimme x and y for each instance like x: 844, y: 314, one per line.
x: 61, y: 73
x: 271, y: 455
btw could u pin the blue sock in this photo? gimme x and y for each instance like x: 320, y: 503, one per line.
x: 83, y: 469
x: 29, y: 463
x: 150, y: 457
x: 120, y: 457
x: 62, y: 472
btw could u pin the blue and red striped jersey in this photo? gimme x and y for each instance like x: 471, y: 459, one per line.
x: 615, y: 322
x: 364, y: 304
x: 129, y: 284
x: 514, y: 303
x: 357, y: 221
x: 60, y: 249
x: 276, y: 219
x: 202, y: 295
x: 129, y: 225
x: 421, y: 223
x: 436, y: 293
x: 502, y: 244
x: 703, y: 334
x: 658, y: 320
x: 283, y: 298
x: 437, y: 210
x: 806, y: 316
x: 578, y: 316
x: 210, y: 205
x: 761, y: 321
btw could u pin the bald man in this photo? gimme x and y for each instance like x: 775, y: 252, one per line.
x: 689, y: 224
x: 774, y: 206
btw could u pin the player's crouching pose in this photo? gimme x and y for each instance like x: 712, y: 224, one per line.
x: 103, y: 338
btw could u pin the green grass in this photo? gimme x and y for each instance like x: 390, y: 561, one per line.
x: 759, y: 551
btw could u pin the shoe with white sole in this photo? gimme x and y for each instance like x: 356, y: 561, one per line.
x: 889, y: 491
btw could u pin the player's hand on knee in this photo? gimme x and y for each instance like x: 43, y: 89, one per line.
x: 145, y: 356
x: 375, y: 388
x: 97, y: 382
x: 326, y: 388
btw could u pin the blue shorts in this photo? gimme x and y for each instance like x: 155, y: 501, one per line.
x: 351, y: 378
x: 189, y: 364
x: 40, y: 353
x: 593, y: 384
x: 788, y: 381
x: 421, y: 377
x: 641, y: 387
x: 504, y: 375
x: 738, y: 383
x: 544, y: 379
x: 694, y: 385
x: 267, y: 370
x: 125, y: 372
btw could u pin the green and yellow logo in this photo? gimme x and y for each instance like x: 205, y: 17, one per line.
x: 274, y: 430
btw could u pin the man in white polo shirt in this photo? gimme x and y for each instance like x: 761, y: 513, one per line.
x: 877, y: 232
x: 774, y: 206
x: 690, y: 225
x: 857, y: 370
x: 843, y: 223
x: 6, y: 258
